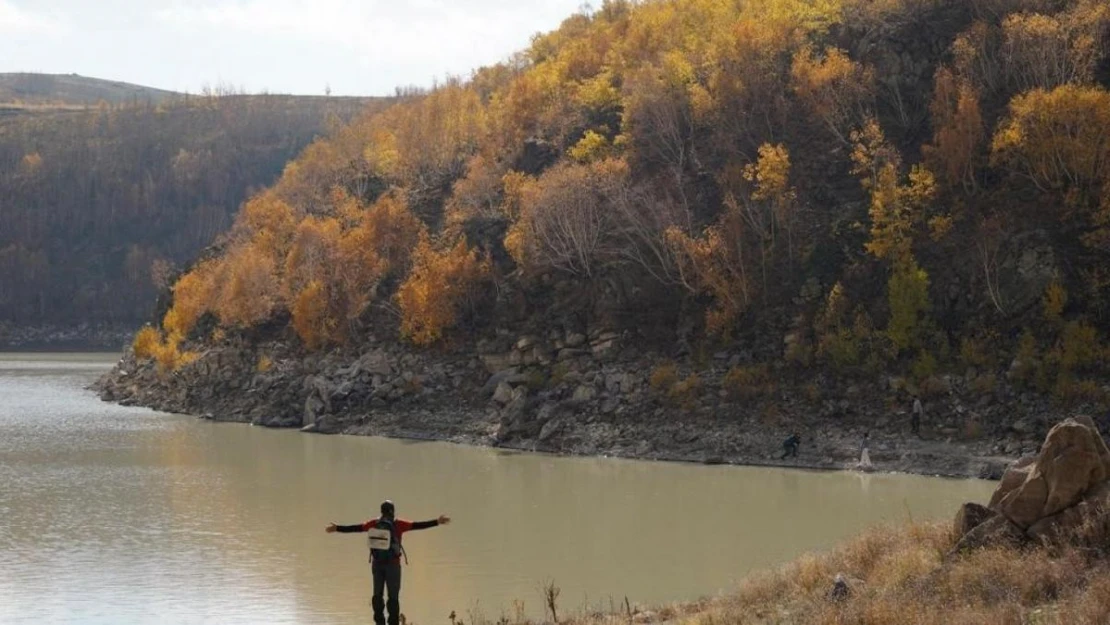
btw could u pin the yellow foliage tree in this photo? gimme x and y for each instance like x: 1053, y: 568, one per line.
x: 839, y: 90
x: 1060, y: 139
x: 895, y: 207
x: 310, y: 315
x: 312, y: 255
x: 193, y: 294
x: 146, y: 342
x: 716, y: 263
x: 441, y: 286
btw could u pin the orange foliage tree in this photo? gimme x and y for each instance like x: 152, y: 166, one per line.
x: 442, y: 286
x: 248, y: 287
x: 193, y: 294
x: 957, y: 130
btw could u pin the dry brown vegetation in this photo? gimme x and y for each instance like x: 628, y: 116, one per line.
x: 904, y: 575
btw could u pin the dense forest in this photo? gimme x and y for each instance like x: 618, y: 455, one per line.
x: 101, y: 205
x: 862, y: 185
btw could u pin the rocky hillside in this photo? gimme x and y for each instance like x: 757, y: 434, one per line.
x: 691, y: 217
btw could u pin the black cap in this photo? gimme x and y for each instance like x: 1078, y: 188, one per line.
x: 387, y: 508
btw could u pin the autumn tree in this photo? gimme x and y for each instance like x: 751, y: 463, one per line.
x: 193, y: 294
x: 567, y: 222
x: 659, y: 120
x: 716, y: 263
x: 376, y: 247
x: 839, y: 90
x: 957, y: 130
x: 477, y: 194
x: 247, y: 287
x: 442, y: 288
x: 976, y: 58
x: 895, y: 208
x: 1059, y: 139
x: 1047, y: 51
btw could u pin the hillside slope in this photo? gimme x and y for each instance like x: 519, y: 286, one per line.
x: 93, y: 199
x: 764, y: 212
x: 28, y: 92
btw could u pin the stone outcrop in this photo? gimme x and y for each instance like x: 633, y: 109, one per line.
x: 1073, y: 460
x: 1062, y: 495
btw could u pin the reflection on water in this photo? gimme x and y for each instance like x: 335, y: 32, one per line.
x: 123, y: 516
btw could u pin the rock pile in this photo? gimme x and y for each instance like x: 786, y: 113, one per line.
x: 1060, y: 496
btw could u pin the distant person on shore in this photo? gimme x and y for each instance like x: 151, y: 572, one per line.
x: 865, y: 452
x: 790, y: 446
x: 916, y: 415
x: 385, y: 556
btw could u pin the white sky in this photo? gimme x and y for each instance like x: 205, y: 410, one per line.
x: 358, y: 47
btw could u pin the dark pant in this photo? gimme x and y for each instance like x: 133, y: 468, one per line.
x: 789, y: 450
x: 387, y: 576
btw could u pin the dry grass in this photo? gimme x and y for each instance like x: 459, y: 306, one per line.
x: 901, y: 575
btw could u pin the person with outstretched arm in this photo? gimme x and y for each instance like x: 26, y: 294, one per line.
x: 385, y: 556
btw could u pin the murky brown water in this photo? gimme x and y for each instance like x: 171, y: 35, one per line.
x: 120, y: 515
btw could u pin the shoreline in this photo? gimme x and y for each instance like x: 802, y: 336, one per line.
x: 464, y: 404
x: 604, y: 393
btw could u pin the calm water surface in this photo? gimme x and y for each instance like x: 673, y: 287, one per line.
x: 122, y: 516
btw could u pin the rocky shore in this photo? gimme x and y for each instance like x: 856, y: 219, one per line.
x: 596, y: 394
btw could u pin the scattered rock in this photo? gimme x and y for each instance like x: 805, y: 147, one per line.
x: 376, y: 362
x: 995, y: 531
x: 584, y: 393
x: 970, y: 516
x: 503, y: 393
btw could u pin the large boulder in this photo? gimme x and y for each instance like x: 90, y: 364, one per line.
x: 1072, y: 461
x: 1086, y: 524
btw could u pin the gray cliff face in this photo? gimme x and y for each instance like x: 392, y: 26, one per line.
x: 593, y: 393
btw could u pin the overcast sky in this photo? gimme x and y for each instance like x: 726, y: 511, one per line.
x: 358, y: 47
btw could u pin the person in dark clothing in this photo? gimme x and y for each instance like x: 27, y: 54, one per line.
x: 385, y: 558
x: 790, y: 446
